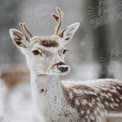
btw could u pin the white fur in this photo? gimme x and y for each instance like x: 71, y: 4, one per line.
x: 51, y: 106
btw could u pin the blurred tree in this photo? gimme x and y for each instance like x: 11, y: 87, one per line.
x: 9, y: 13
x: 105, y: 32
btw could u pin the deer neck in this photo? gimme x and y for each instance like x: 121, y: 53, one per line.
x: 46, y: 87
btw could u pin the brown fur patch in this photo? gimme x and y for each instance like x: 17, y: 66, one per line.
x: 18, y: 38
x: 60, y: 63
x: 82, y: 87
x: 40, y: 91
x: 49, y: 43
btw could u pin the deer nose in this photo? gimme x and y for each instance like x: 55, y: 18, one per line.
x: 63, y: 68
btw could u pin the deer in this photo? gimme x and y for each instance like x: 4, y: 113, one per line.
x: 12, y: 77
x: 58, y: 100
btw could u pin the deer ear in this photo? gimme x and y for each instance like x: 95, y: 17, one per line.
x: 69, y: 32
x: 19, y: 39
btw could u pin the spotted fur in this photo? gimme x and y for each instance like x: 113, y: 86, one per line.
x: 93, y: 101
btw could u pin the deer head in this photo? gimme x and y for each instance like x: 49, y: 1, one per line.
x: 45, y: 55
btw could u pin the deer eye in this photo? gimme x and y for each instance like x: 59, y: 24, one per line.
x: 36, y: 52
x: 64, y: 51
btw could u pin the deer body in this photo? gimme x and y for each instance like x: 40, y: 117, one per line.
x: 70, y: 101
x: 61, y: 101
x: 51, y: 103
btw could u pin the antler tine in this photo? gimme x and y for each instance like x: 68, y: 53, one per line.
x: 24, y: 26
x: 58, y: 19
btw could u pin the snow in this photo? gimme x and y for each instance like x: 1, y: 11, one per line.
x: 20, y: 106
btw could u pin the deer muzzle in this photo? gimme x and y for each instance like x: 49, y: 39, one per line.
x: 62, y: 67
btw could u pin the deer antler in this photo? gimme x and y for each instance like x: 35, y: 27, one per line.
x: 24, y: 26
x: 59, y: 19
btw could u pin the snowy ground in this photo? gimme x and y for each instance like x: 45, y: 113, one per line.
x: 19, y: 107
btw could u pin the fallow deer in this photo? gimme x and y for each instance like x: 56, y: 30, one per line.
x: 12, y: 76
x: 64, y: 101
